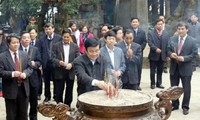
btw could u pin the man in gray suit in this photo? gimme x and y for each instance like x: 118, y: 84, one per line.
x: 182, y: 50
x: 15, y: 68
x: 115, y: 58
x: 132, y: 55
x: 157, y: 41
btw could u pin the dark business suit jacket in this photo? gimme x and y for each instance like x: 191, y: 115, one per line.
x: 189, y: 51
x: 131, y: 73
x: 58, y: 54
x: 34, y: 55
x: 140, y: 38
x: 7, y: 66
x: 155, y: 41
x: 3, y: 46
x: 44, y: 49
x: 86, y: 72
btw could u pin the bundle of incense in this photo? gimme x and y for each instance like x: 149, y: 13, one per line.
x: 61, y: 55
x: 175, y: 50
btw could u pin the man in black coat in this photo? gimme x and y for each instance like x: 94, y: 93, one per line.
x: 3, y: 47
x: 90, y: 68
x: 139, y: 38
x: 64, y: 53
x: 157, y: 41
x: 35, y: 57
x: 34, y: 42
x: 132, y: 56
x: 45, y: 47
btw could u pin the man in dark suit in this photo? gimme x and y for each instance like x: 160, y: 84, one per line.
x: 115, y: 59
x: 182, y: 50
x: 157, y: 41
x: 90, y: 68
x: 15, y: 68
x: 139, y: 38
x: 45, y: 47
x: 64, y: 53
x: 168, y: 29
x: 105, y: 28
x: 34, y: 42
x: 132, y: 55
x: 35, y: 57
x: 3, y: 47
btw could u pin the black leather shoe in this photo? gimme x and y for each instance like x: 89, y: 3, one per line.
x: 71, y: 109
x: 38, y: 97
x: 139, y: 88
x: 174, y: 108
x: 185, y: 111
x: 165, y: 71
x: 152, y: 86
x: 160, y: 86
x: 46, y: 99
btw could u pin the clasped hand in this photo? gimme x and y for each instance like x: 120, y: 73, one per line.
x: 68, y: 66
x: 19, y: 74
x: 176, y: 57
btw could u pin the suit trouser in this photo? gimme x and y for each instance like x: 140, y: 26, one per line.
x: 48, y: 76
x: 60, y: 85
x: 16, y: 109
x: 130, y: 86
x: 40, y: 82
x: 140, y: 71
x: 0, y: 84
x: 159, y: 65
x: 186, y: 83
x: 33, y: 102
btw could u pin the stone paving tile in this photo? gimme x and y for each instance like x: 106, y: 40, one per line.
x: 145, y: 85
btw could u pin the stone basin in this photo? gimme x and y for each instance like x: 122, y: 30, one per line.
x: 128, y: 103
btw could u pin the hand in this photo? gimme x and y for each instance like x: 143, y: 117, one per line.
x: 62, y: 63
x: 129, y: 53
x: 33, y: 63
x: 168, y: 58
x: 158, y: 50
x: 101, y: 84
x: 23, y: 76
x: 69, y: 66
x: 174, y: 55
x: 111, y: 90
x: 180, y: 58
x: 17, y: 73
x: 116, y: 74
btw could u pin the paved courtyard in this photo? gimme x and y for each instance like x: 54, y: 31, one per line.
x: 145, y: 85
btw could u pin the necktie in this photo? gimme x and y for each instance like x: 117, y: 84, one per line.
x: 50, y: 46
x: 17, y: 66
x: 180, y: 45
x: 32, y: 43
x: 135, y: 33
x: 25, y: 50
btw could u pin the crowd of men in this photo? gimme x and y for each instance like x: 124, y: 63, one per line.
x: 34, y: 57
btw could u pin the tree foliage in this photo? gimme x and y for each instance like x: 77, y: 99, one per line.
x: 70, y: 7
x: 16, y: 7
